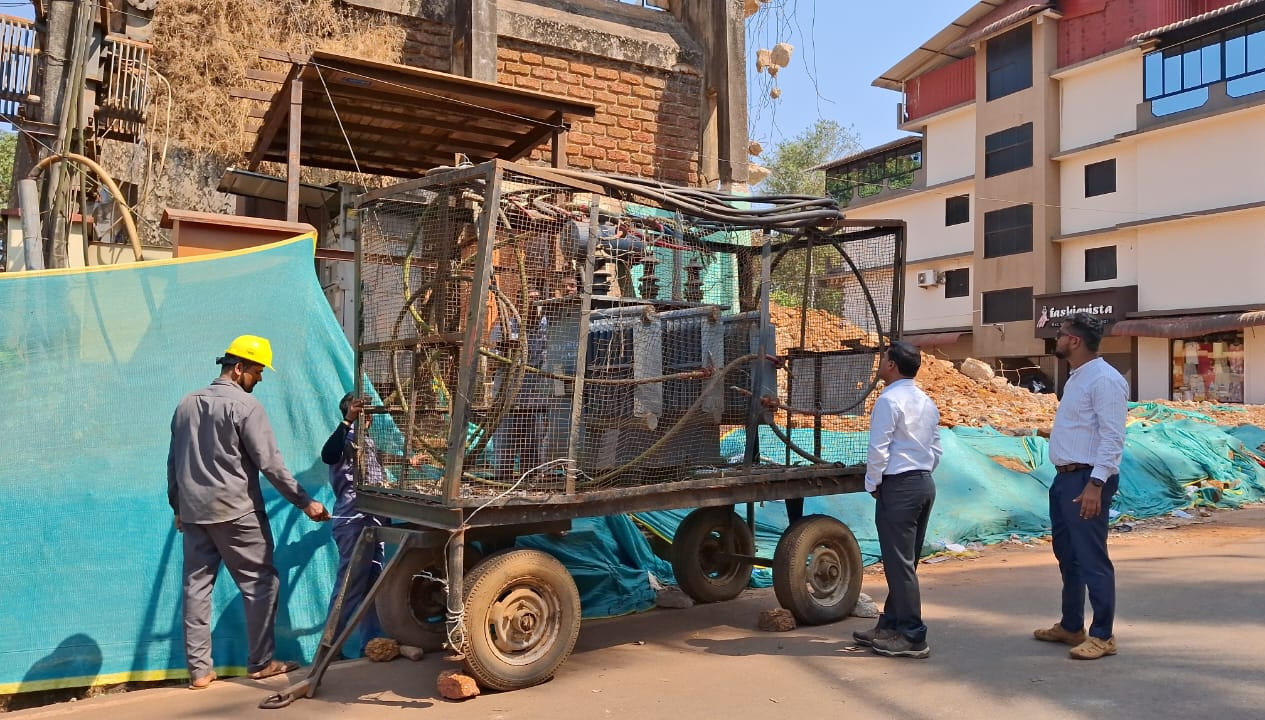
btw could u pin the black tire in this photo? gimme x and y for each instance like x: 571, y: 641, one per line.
x: 698, y: 554
x: 817, y: 570
x: 522, y: 617
x: 411, y: 607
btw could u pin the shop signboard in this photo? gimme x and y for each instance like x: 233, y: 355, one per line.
x: 1108, y: 304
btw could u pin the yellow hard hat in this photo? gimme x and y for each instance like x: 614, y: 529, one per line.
x: 252, y: 348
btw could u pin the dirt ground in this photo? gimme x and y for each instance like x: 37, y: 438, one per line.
x: 1190, y: 630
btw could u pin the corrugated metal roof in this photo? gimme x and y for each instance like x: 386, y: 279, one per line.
x: 934, y: 51
x: 1157, y: 32
x: 1188, y: 325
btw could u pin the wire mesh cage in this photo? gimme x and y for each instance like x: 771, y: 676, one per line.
x: 528, y: 333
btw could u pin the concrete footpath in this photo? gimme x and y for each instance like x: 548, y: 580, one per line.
x: 1190, y: 629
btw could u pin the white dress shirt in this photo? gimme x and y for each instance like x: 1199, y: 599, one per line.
x: 904, y: 433
x: 1089, y: 425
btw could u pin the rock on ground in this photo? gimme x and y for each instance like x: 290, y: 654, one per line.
x: 456, y: 686
x: 776, y: 620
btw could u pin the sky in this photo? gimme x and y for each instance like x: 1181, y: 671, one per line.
x: 840, y: 47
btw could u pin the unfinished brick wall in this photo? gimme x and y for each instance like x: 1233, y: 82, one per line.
x: 647, y: 122
x: 427, y: 44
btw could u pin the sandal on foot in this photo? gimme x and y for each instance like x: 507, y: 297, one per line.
x: 203, y: 682
x: 276, y: 667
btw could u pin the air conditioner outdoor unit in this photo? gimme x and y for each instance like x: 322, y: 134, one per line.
x: 928, y: 278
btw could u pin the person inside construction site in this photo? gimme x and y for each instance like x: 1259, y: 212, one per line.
x: 904, y: 449
x: 220, y: 441
x: 1086, y: 444
x: 340, y: 453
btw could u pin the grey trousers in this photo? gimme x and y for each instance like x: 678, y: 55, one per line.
x: 245, y: 546
x: 901, y: 516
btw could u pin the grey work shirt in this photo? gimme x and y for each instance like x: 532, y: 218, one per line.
x: 220, y: 441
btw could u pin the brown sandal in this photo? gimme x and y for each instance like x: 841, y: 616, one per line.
x: 203, y: 682
x: 276, y: 667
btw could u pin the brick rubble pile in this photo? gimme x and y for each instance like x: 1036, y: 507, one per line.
x: 974, y: 400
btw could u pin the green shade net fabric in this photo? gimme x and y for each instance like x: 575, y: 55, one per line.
x: 95, y: 362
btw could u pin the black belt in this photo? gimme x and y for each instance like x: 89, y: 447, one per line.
x: 906, y: 474
x: 1073, y: 467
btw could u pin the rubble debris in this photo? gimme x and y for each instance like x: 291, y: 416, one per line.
x: 977, y: 370
x: 776, y: 620
x: 673, y: 597
x: 382, y: 649
x: 988, y: 401
x: 453, y: 685
x: 865, y: 607
x: 412, y: 652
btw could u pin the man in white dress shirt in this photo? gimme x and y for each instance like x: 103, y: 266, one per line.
x: 904, y: 449
x: 1086, y: 444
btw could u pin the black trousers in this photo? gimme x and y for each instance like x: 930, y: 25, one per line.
x: 901, y: 517
x: 1081, y: 548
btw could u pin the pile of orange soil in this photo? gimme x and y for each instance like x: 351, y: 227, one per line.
x: 962, y: 401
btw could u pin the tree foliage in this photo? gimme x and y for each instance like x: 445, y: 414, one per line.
x: 8, y: 149
x: 791, y: 160
x: 791, y: 163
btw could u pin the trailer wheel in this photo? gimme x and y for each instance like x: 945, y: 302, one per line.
x: 522, y: 617
x: 817, y: 570
x: 411, y: 606
x: 702, y: 551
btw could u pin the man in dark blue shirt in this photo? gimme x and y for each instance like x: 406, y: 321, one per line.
x: 339, y: 453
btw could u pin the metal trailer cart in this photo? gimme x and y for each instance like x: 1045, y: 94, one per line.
x: 544, y: 345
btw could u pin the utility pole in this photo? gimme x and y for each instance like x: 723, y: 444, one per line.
x: 70, y: 125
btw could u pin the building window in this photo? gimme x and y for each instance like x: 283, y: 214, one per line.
x: 1007, y: 305
x: 1100, y: 263
x: 1100, y: 178
x: 1008, y: 231
x: 1176, y: 78
x: 1008, y: 150
x: 1010, y: 62
x: 957, y: 283
x: 1209, y: 368
x: 890, y: 170
x: 957, y: 210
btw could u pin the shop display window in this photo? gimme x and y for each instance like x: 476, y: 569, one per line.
x: 1209, y: 368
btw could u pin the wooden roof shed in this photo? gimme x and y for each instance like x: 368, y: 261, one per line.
x: 345, y: 113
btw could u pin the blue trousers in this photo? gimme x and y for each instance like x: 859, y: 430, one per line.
x: 361, y: 579
x: 901, y: 516
x: 1081, y: 548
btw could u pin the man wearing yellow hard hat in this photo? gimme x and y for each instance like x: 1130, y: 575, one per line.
x: 221, y: 441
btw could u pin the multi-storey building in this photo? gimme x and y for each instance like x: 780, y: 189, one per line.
x: 1099, y: 155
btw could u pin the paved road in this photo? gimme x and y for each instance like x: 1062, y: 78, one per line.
x: 1191, y: 634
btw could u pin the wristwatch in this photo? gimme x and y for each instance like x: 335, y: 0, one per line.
x: 1097, y: 482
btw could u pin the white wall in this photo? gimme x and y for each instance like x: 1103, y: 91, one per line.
x: 1254, y: 365
x: 1073, y: 261
x: 1099, y: 100
x: 1154, y: 369
x: 926, y: 308
x: 1080, y: 213
x: 924, y: 214
x: 1211, y: 163
x: 1208, y: 262
x: 950, y: 146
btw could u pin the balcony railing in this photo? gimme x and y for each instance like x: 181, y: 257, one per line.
x: 17, y: 63
x: 125, y: 87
